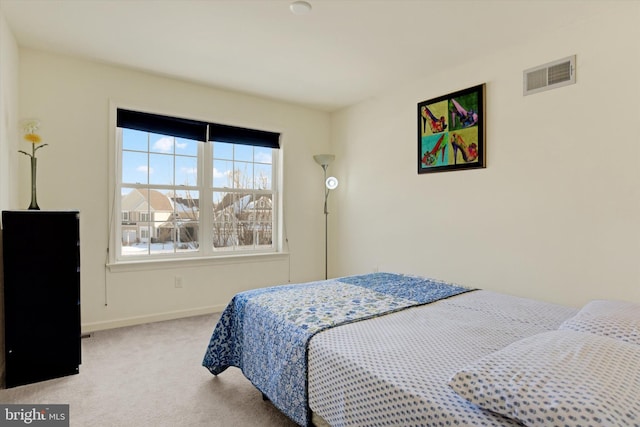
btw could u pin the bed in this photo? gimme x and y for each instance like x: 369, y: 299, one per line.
x: 394, y: 349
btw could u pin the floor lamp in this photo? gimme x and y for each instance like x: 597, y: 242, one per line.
x: 330, y: 183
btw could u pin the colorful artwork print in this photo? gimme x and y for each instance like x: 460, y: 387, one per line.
x: 451, y: 131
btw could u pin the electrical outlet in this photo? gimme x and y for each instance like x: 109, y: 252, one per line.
x: 178, y: 281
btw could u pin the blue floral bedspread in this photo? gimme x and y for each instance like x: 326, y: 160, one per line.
x: 265, y: 332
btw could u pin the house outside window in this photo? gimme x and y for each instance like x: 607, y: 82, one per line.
x: 189, y: 189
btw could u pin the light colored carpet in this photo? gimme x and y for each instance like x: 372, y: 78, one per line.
x: 151, y: 375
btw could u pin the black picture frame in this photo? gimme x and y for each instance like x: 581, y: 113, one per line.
x: 451, y: 131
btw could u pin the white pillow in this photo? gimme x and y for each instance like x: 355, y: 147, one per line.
x: 558, y: 378
x: 615, y: 319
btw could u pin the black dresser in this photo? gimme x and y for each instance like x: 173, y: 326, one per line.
x: 41, y: 255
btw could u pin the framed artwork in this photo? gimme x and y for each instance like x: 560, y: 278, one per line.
x: 451, y: 131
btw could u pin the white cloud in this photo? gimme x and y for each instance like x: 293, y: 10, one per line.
x: 164, y: 145
x: 144, y: 169
x: 263, y: 157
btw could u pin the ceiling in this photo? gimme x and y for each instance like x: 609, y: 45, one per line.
x: 341, y: 53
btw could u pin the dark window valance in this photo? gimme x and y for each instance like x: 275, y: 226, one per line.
x: 196, y: 130
x: 165, y: 125
x: 236, y: 135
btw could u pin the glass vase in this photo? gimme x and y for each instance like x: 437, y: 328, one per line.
x: 34, y: 198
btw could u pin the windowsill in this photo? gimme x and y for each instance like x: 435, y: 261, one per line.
x: 155, y: 264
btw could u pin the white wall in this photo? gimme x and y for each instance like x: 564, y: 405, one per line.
x: 556, y: 213
x: 8, y: 113
x: 71, y: 97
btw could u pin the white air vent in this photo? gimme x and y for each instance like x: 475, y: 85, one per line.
x: 550, y: 76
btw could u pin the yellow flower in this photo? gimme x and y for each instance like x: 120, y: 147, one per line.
x: 33, y: 138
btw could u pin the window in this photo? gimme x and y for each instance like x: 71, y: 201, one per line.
x: 193, y: 189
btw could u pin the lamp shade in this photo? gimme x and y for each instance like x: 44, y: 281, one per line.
x: 331, y: 183
x: 324, y: 159
x: 300, y: 7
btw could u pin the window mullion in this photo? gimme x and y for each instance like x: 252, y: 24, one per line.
x: 205, y: 182
x: 275, y: 204
x: 116, y: 220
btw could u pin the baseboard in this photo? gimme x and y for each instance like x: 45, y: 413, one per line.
x: 139, y: 320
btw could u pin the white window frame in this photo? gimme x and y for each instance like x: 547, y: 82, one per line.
x: 206, y: 252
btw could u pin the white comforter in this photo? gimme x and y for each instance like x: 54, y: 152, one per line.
x: 393, y: 370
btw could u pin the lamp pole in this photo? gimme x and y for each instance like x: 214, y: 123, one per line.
x: 324, y: 160
x: 326, y: 226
